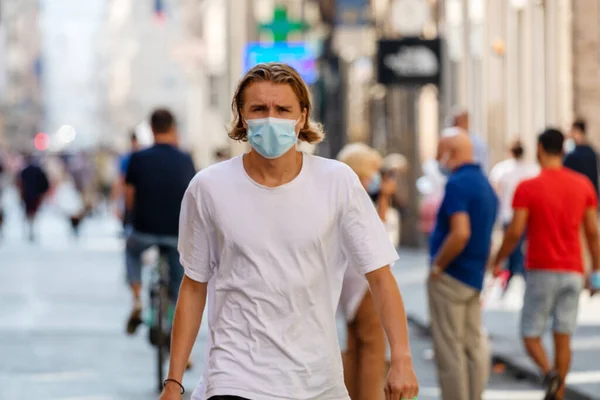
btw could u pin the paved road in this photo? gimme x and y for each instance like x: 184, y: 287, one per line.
x: 63, y: 304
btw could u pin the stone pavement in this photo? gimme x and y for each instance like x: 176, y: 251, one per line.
x: 63, y: 305
x: 502, y: 323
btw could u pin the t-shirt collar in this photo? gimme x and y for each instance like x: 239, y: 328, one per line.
x: 471, y: 165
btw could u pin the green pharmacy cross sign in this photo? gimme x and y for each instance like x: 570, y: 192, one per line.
x: 281, y: 26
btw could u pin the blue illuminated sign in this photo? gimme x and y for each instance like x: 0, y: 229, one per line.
x: 299, y: 55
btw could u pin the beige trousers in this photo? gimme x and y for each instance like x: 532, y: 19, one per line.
x: 461, y: 349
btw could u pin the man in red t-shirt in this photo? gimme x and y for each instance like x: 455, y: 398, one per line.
x: 552, y: 207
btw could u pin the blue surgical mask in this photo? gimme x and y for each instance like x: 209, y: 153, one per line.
x: 375, y: 184
x: 272, y: 137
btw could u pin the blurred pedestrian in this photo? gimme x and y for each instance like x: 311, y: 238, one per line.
x: 459, y: 249
x: 460, y: 119
x: 118, y: 189
x: 33, y: 185
x: 505, y: 176
x: 581, y: 156
x: 3, y: 175
x: 268, y: 236
x: 364, y: 355
x: 431, y: 187
x: 222, y: 154
x: 552, y: 207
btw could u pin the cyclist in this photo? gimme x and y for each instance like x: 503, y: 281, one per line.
x: 156, y: 181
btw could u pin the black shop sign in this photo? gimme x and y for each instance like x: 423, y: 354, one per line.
x: 409, y: 62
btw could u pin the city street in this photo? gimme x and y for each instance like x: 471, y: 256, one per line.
x: 63, y: 305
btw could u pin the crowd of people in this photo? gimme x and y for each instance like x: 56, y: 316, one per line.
x: 277, y: 243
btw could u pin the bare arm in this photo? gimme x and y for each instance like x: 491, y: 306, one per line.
x: 118, y: 189
x: 390, y: 308
x: 186, y: 324
x: 456, y: 241
x: 129, y: 197
x: 513, y: 234
x: 590, y: 226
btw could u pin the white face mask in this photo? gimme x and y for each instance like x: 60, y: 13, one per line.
x: 569, y: 145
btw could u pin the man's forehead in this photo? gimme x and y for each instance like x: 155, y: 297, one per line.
x: 270, y: 93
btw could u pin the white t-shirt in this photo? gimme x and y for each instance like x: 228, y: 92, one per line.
x: 506, y: 176
x: 275, y: 258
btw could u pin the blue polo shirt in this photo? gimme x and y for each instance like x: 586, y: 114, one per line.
x: 469, y: 191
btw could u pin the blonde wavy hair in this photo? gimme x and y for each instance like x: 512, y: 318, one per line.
x: 363, y: 159
x: 277, y: 73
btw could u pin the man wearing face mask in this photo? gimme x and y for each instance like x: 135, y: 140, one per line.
x: 267, y: 237
x: 459, y: 249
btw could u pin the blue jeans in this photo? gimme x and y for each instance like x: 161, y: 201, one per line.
x: 137, y: 243
x: 516, y: 261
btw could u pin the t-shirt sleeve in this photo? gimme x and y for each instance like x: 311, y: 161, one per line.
x: 521, y: 197
x: 197, y: 237
x: 123, y: 164
x: 365, y: 240
x: 591, y: 199
x: 131, y: 173
x: 455, y: 200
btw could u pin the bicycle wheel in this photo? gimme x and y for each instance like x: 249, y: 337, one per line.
x: 162, y: 305
x: 160, y: 339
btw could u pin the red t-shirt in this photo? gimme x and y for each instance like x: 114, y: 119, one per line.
x: 557, y: 200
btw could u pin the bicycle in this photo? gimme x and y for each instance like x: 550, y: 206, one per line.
x: 160, y: 314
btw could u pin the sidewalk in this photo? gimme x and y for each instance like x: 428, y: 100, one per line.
x: 502, y: 324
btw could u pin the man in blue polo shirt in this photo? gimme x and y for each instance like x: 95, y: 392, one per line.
x: 460, y: 247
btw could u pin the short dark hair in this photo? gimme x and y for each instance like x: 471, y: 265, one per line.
x: 579, y: 124
x: 552, y: 141
x: 516, y: 149
x: 161, y: 121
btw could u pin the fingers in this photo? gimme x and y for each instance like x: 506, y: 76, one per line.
x: 406, y: 392
x: 388, y: 392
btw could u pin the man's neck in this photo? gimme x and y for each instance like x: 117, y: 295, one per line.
x: 276, y: 172
x: 552, y: 163
x: 165, y: 139
x: 462, y: 163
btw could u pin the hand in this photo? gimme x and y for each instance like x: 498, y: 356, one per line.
x: 388, y: 187
x: 401, y: 381
x: 435, y: 273
x: 497, y: 270
x: 590, y: 287
x: 171, y: 391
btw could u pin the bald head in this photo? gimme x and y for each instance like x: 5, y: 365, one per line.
x: 460, y: 119
x: 455, y: 149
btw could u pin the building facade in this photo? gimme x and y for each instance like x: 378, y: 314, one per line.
x: 22, y: 66
x: 522, y: 65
